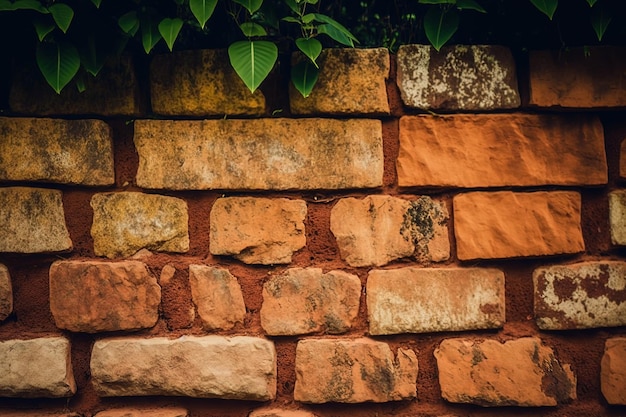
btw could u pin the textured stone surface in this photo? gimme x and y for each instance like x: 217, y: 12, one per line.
x: 506, y: 224
x: 420, y: 300
x: 240, y: 368
x: 581, y: 295
x: 200, y: 83
x: 38, y: 413
x: 351, y: 81
x: 260, y: 154
x: 54, y: 150
x: 32, y: 220
x: 520, y: 372
x: 125, y: 222
x: 379, y: 229
x: 144, y: 412
x: 257, y: 230
x: 578, y: 77
x: 277, y: 412
x: 96, y: 296
x: 501, y: 150
x: 36, y: 368
x: 6, y: 293
x: 459, y: 77
x: 353, y: 371
x: 613, y: 371
x: 217, y: 295
x: 617, y: 216
x: 307, y: 300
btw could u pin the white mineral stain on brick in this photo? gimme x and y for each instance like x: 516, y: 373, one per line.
x: 414, y: 79
x: 617, y: 216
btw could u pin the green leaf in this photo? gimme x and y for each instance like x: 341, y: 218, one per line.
x: 43, y: 27
x: 470, y: 5
x: 92, y: 58
x: 600, y: 20
x: 308, y: 18
x: 591, y: 2
x: 293, y: 6
x: 128, y: 21
x: 253, y: 61
x: 202, y: 10
x: 437, y: 1
x: 62, y: 15
x: 150, y: 35
x: 440, y: 25
x: 335, y: 34
x: 169, y: 29
x: 250, y: 5
x: 310, y: 47
x: 96, y: 3
x: 337, y: 26
x: 290, y: 19
x: 547, y: 7
x: 30, y: 5
x: 58, y: 62
x: 304, y: 76
x: 80, y: 83
x: 5, y: 5
x: 251, y: 29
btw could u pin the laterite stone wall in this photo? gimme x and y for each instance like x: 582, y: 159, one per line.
x: 428, y: 234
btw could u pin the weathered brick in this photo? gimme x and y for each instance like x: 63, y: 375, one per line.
x: 506, y: 224
x: 124, y: 222
x: 257, y: 230
x: 217, y: 294
x: 379, y: 229
x: 241, y: 367
x: 6, y: 293
x: 579, y: 296
x: 38, y: 413
x: 200, y: 83
x: 419, y: 300
x: 351, y: 81
x: 307, y: 300
x: 32, y: 220
x: 459, y: 77
x: 613, y: 371
x: 96, y: 296
x: 519, y: 372
x: 277, y: 412
x: 144, y: 412
x: 501, y: 150
x: 578, y: 77
x: 36, y: 368
x: 57, y: 151
x: 259, y: 154
x: 353, y: 371
x: 617, y: 216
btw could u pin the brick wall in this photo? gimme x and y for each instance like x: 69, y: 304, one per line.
x: 428, y: 234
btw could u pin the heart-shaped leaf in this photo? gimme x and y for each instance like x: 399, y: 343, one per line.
x: 43, y: 27
x: 440, y: 25
x: 310, y: 47
x: 128, y: 22
x: 58, y: 62
x: 250, y: 5
x: 253, y: 61
x: 600, y: 20
x: 304, y: 77
x: 150, y: 35
x: 92, y: 57
x: 202, y: 10
x: 169, y: 29
x: 62, y: 15
x: 251, y: 29
x: 547, y: 7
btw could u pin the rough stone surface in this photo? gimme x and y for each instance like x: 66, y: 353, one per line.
x: 144, y: 412
x: 38, y: 413
x: 36, y: 368
x: 32, y: 220
x: 351, y: 81
x: 307, y: 300
x: 96, y: 296
x: 420, y: 300
x: 277, y: 412
x: 520, y: 372
x: 259, y: 154
x: 459, y: 77
x: 506, y: 224
x: 6, y: 293
x: 217, y: 295
x: 579, y: 77
x: 53, y: 150
x: 501, y: 150
x: 379, y: 229
x: 617, y: 216
x: 613, y: 371
x: 125, y: 222
x: 200, y: 83
x: 257, y: 230
x: 579, y: 296
x: 239, y: 368
x: 353, y: 371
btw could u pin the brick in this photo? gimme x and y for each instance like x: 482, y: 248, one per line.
x: 36, y: 368
x: 78, y: 152
x: 506, y: 224
x: 277, y: 412
x: 6, y: 293
x: 32, y: 220
x: 115, y: 92
x: 617, y: 216
x: 421, y: 300
x: 353, y: 371
x: 239, y: 368
x: 459, y: 77
x: 622, y: 160
x: 302, y: 301
x: 520, y: 372
x: 351, y: 81
x: 580, y: 296
x: 259, y: 154
x: 379, y: 229
x: 200, y: 83
x: 613, y: 371
x: 218, y: 297
x: 97, y: 296
x: 144, y: 412
x: 125, y: 222
x: 476, y: 150
x: 38, y: 413
x: 257, y: 230
x: 579, y: 77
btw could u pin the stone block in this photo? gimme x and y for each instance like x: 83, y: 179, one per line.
x: 613, y: 371
x: 617, y: 216
x: 6, y: 293
x: 144, y: 412
x: 277, y: 412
